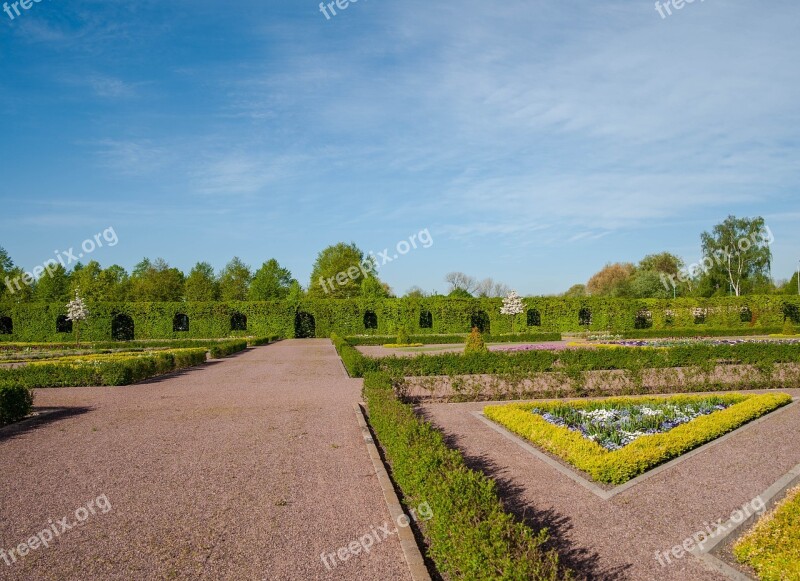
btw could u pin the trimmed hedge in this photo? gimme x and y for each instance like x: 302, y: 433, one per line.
x: 470, y: 535
x: 681, y: 333
x: 455, y: 339
x: 772, y: 546
x: 642, y: 454
x: 220, y: 350
x: 101, y: 370
x: 355, y: 363
x: 16, y: 402
x: 448, y: 316
x: 761, y: 354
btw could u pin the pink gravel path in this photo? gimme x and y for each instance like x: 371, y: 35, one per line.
x: 617, y: 539
x: 245, y: 468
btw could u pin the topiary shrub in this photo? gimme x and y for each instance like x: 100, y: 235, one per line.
x: 788, y: 327
x: 403, y: 337
x: 16, y: 402
x: 475, y: 343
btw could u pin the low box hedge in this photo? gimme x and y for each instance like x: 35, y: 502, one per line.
x: 619, y: 466
x: 93, y: 370
x: 226, y: 348
x: 587, y: 359
x: 16, y: 402
x: 470, y: 535
x: 772, y: 546
x: 698, y: 332
x: 455, y: 339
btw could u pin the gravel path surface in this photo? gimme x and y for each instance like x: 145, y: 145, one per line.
x: 245, y: 468
x: 617, y: 539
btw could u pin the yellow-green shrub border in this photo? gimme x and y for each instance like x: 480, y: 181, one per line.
x: 772, y: 545
x: 641, y: 455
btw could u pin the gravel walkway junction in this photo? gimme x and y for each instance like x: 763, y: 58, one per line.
x: 617, y: 539
x: 253, y: 466
x: 245, y: 468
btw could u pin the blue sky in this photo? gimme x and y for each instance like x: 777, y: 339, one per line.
x: 535, y: 141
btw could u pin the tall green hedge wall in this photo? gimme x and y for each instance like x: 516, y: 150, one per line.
x: 37, y: 322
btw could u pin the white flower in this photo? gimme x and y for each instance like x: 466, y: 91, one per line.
x: 76, y: 309
x: 512, y: 304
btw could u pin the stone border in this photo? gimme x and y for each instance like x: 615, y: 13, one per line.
x: 608, y: 493
x: 705, y: 550
x: 414, y: 559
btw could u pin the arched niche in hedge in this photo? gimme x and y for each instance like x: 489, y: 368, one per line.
x: 643, y: 320
x: 122, y: 328
x: 745, y: 315
x: 480, y: 320
x: 6, y: 326
x: 180, y: 323
x: 791, y: 312
x: 63, y: 324
x: 305, y: 326
x: 238, y: 322
x: 585, y: 317
x: 426, y: 320
x: 370, y: 320
x: 534, y: 318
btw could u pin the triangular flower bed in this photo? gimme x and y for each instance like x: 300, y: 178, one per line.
x: 614, y: 440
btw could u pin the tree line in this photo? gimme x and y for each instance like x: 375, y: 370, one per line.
x: 736, y: 260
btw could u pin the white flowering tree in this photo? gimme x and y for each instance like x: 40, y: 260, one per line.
x: 513, y: 305
x: 77, y: 312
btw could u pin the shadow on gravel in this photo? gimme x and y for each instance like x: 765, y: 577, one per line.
x: 586, y: 564
x: 48, y: 416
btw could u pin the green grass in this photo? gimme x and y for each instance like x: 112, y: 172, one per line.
x: 643, y: 454
x: 772, y: 546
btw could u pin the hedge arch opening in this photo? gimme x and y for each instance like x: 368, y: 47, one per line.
x: 63, y: 324
x: 746, y: 315
x: 180, y: 323
x: 6, y: 326
x: 238, y: 322
x: 585, y: 317
x: 122, y: 328
x: 534, y: 318
x: 791, y: 312
x: 480, y: 320
x: 370, y: 321
x: 426, y: 320
x: 643, y: 320
x: 699, y: 316
x: 305, y: 326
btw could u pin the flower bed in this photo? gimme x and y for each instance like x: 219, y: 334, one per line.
x: 617, y: 424
x: 690, y: 342
x: 640, y: 453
